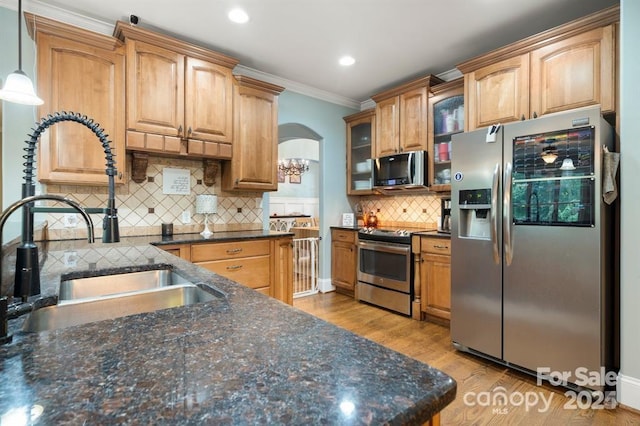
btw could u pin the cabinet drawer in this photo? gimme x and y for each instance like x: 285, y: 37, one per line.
x: 343, y: 235
x: 251, y: 271
x: 435, y: 245
x: 231, y: 250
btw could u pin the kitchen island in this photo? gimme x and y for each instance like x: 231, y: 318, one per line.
x: 242, y: 359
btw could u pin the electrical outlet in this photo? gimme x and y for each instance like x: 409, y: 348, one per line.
x: 70, y: 258
x: 70, y: 220
x: 186, y: 217
x: 258, y: 203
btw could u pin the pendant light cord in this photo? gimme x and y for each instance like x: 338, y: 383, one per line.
x: 19, y: 35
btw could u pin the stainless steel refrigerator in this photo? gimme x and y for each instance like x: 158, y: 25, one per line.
x: 532, y: 260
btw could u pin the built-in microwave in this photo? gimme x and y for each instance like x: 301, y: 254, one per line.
x: 407, y: 170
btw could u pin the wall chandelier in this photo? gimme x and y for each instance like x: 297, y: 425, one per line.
x: 293, y: 166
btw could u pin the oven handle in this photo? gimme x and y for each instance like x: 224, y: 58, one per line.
x: 385, y: 247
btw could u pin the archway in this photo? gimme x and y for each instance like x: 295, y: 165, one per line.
x: 297, y: 201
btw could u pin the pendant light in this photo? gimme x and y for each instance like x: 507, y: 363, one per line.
x: 18, y: 87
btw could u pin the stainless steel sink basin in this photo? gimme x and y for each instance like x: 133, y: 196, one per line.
x: 82, y: 288
x: 83, y: 311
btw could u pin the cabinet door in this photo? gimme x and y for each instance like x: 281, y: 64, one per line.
x: 436, y: 285
x: 413, y: 120
x: 208, y: 101
x: 282, y: 260
x: 498, y: 93
x: 446, y: 118
x: 360, y: 143
x: 155, y: 89
x: 343, y: 265
x: 387, y: 127
x: 255, y: 145
x: 75, y: 76
x: 575, y: 72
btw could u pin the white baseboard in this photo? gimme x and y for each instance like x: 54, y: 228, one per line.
x: 628, y: 391
x: 325, y: 286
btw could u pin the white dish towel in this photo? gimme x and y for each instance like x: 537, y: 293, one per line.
x: 609, y: 187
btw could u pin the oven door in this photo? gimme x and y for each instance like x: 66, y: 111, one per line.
x: 386, y: 265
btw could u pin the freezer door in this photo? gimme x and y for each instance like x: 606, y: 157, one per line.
x: 553, y: 282
x: 476, y: 271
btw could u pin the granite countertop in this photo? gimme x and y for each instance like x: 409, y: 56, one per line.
x: 243, y: 359
x: 436, y: 234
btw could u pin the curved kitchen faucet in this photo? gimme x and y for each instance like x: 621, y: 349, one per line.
x: 27, y: 252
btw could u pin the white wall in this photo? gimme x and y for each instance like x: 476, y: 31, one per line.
x: 629, y: 380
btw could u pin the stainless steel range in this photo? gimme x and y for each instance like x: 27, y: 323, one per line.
x: 385, y: 268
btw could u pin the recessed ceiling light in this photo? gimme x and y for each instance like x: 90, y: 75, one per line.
x: 347, y: 61
x: 238, y: 16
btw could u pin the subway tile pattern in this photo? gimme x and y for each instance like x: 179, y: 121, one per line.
x: 142, y: 207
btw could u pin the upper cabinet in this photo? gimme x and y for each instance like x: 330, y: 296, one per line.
x: 401, y: 117
x: 83, y: 72
x: 567, y: 67
x: 255, y: 143
x: 446, y: 113
x: 360, y: 150
x: 179, y: 96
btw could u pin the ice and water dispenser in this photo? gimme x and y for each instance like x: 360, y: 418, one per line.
x: 475, y: 213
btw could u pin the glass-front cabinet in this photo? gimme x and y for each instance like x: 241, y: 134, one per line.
x: 360, y: 146
x: 446, y: 112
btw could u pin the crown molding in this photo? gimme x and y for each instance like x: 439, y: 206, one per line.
x: 297, y: 87
x: 37, y: 7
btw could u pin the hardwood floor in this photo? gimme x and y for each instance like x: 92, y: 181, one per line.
x: 476, y: 377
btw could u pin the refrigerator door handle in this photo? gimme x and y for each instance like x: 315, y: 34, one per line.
x: 494, y: 213
x: 507, y: 222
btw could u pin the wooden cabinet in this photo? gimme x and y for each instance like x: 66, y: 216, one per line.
x: 181, y: 250
x: 344, y: 260
x: 282, y: 269
x: 360, y: 150
x: 567, y: 67
x: 246, y: 262
x: 83, y: 72
x: 435, y: 277
x: 498, y: 93
x: 179, y: 96
x: 265, y: 265
x: 401, y: 117
x: 255, y: 145
x: 446, y: 118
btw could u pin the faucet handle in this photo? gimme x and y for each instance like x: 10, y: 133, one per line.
x: 4, y: 321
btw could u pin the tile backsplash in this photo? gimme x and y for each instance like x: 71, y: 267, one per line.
x: 142, y: 207
x: 418, y: 211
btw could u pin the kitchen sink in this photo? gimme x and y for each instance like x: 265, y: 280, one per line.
x: 81, y: 288
x: 92, y: 309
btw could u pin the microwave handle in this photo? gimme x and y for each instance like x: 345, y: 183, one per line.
x: 410, y: 164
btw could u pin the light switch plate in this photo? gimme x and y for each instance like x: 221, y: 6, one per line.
x: 186, y: 217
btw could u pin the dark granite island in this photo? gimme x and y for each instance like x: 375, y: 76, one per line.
x: 246, y: 359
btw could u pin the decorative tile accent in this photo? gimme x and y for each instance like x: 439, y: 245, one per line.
x: 135, y: 201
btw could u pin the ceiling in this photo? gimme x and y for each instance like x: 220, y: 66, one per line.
x: 301, y: 40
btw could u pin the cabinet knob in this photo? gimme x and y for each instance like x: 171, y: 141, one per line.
x: 180, y: 130
x: 522, y: 118
x: 189, y: 131
x: 535, y: 114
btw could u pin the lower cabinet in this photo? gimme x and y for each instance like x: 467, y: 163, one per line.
x: 344, y: 260
x: 265, y: 265
x: 435, y: 277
